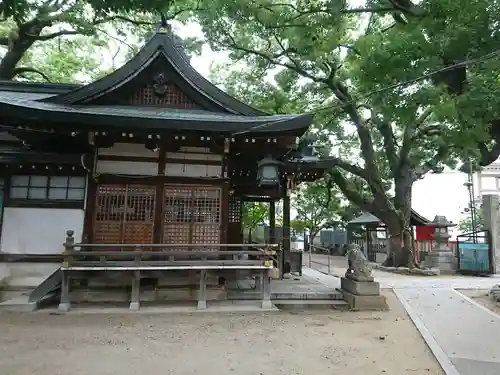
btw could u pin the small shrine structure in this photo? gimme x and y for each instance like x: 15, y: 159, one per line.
x: 144, y: 173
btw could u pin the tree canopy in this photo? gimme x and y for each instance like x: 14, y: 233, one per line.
x: 320, y: 205
x: 399, y: 90
x: 34, y: 31
x: 465, y: 225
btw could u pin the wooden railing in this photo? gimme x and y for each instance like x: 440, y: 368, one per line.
x: 165, y: 257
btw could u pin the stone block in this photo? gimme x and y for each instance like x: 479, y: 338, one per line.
x: 360, y: 288
x: 100, y: 295
x: 442, y: 260
x: 365, y: 303
x: 190, y: 294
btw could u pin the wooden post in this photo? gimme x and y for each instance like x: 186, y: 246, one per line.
x: 286, y: 232
x: 69, y: 248
x: 202, y: 294
x: 266, y: 290
x: 272, y: 222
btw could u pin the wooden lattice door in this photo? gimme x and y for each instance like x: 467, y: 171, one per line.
x: 234, y: 218
x: 124, y: 214
x: 192, y: 214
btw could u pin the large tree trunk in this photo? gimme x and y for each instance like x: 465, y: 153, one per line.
x: 400, y: 231
x: 400, y: 247
x: 19, y: 43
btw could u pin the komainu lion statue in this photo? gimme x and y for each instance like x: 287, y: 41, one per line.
x: 359, y: 267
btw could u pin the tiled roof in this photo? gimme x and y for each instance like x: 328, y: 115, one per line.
x: 153, y: 117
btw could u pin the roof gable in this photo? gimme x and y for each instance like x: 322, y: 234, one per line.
x: 160, y: 56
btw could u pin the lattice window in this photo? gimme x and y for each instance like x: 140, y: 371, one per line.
x: 191, y: 214
x: 173, y: 97
x: 234, y: 209
x: 124, y: 214
x: 57, y: 188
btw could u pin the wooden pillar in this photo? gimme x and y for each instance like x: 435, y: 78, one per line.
x: 158, y: 211
x: 202, y: 293
x: 286, y: 231
x: 272, y: 222
x: 90, y: 202
x: 225, y: 194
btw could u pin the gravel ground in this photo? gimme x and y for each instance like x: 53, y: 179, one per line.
x: 243, y: 344
x: 482, y: 297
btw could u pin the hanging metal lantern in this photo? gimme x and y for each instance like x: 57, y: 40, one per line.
x: 268, y: 173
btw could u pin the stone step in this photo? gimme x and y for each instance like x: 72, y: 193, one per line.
x: 21, y: 303
x: 234, y: 294
x: 298, y: 305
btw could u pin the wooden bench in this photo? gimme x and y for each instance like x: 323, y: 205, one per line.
x: 136, y: 259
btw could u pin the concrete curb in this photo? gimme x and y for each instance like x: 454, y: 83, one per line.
x: 439, y: 354
x: 468, y: 299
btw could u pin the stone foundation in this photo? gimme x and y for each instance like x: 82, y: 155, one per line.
x: 445, y: 261
x: 118, y: 295
x: 365, y: 303
x: 362, y: 288
x: 362, y: 295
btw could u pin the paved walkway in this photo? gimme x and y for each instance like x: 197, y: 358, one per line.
x: 463, y: 335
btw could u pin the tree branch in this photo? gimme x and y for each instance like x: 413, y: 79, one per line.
x: 432, y: 164
x: 372, y: 175
x: 274, y: 60
x: 25, y: 69
x: 333, y: 162
x: 56, y: 34
x: 352, y: 195
x: 389, y: 140
x: 409, y: 136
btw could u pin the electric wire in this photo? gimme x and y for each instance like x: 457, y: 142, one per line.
x: 477, y: 60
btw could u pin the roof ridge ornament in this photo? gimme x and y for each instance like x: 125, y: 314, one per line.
x: 163, y: 27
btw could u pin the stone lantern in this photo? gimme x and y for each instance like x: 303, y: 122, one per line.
x: 441, y: 257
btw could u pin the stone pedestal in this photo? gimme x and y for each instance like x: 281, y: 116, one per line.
x: 444, y: 260
x: 363, y: 295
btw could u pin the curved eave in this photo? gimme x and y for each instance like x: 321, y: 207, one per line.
x: 159, y: 44
x: 23, y: 156
x: 418, y: 220
x: 415, y: 219
x: 100, y: 117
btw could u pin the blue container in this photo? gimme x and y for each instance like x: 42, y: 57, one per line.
x: 474, y: 257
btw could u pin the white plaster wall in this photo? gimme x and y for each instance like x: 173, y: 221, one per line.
x: 38, y: 230
x: 193, y: 170
x: 133, y: 168
x: 194, y: 156
x: 128, y: 149
x: 127, y: 168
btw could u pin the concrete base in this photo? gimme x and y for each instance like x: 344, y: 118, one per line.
x: 64, y: 307
x: 267, y: 304
x: 365, y: 303
x: 202, y: 305
x: 18, y: 304
x: 361, y: 288
x: 95, y: 295
x: 134, y: 306
x: 445, y: 261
